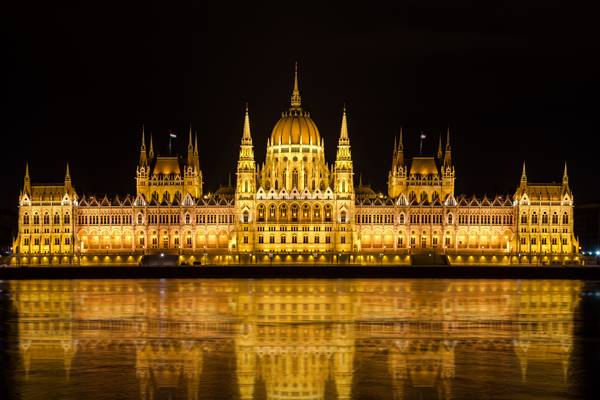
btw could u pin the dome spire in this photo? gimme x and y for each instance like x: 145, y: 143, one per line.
x: 295, y: 101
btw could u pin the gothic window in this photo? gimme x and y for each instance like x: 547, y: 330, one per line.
x: 282, y: 239
x: 272, y: 239
x: 343, y: 187
x: 343, y: 217
x: 26, y: 219
x: 524, y: 218
x: 534, y: 218
x: 412, y: 196
x: 272, y: 211
x: 423, y: 196
x: 450, y: 218
x: 188, y: 218
x: 245, y: 216
x: 56, y: 219
x: 327, y: 213
x: 46, y: 219
x: 294, y: 213
x: 435, y: 196
x: 305, y: 211
x: 166, y: 197
x: 544, y: 218
x: 401, y: 219
x: 565, y: 218
x: 295, y: 178
x: 314, y: 185
x: 294, y: 239
x: 261, y: 213
x: 317, y: 212
x: 246, y: 187
x: 140, y: 219
x: 555, y: 218
x: 276, y: 184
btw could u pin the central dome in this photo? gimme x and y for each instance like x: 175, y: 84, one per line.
x: 295, y: 127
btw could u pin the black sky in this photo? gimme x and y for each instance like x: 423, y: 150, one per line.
x: 515, y: 80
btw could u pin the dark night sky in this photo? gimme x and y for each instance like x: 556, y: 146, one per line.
x: 515, y: 80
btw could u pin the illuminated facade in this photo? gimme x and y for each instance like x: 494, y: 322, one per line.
x: 296, y: 208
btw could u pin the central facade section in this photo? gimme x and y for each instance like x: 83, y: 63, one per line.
x: 295, y: 201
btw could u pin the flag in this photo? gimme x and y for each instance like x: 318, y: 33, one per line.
x: 172, y: 135
x: 423, y: 135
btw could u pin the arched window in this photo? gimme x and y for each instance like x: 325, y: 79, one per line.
x: 26, y: 219
x: 283, y: 211
x: 450, y: 218
x: 317, y: 212
x: 435, y: 196
x: 412, y: 196
x: 327, y: 213
x: 555, y: 218
x: 343, y: 187
x: 544, y: 218
x: 272, y: 211
x: 188, y: 218
x: 261, y: 213
x: 306, y: 212
x: 46, y: 219
x: 423, y: 196
x: 276, y: 184
x: 56, y: 219
x: 67, y: 218
x: 245, y: 217
x: 534, y: 218
x: 295, y: 178
x: 294, y: 213
x: 140, y: 219
x: 343, y: 217
x: 565, y: 218
x: 246, y: 190
x: 524, y: 218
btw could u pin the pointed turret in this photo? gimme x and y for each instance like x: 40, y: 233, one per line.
x: 246, y: 136
x: 344, y: 128
x: 151, y: 152
x: 246, y: 168
x: 26, y: 181
x: 448, y: 152
x: 439, y: 151
x: 143, y: 156
x: 524, y: 174
x: 565, y: 179
x: 190, y: 154
x: 400, y: 151
x: 68, y: 185
x: 295, y: 100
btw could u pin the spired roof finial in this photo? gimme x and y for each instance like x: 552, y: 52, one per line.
x: 439, y: 151
x: 246, y: 135
x: 296, y: 101
x: 344, y: 128
x: 524, y: 174
x: 565, y: 175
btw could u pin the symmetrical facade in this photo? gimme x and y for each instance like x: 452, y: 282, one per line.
x: 296, y: 207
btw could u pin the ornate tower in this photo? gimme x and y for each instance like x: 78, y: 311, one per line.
x: 397, y: 175
x: 447, y: 168
x: 143, y: 168
x: 245, y: 189
x: 344, y: 187
x: 192, y: 174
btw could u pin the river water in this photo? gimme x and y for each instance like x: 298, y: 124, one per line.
x: 300, y: 339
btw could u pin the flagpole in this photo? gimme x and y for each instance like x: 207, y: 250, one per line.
x: 169, y: 142
x: 421, y: 143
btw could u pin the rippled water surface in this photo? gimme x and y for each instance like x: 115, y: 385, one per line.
x: 299, y: 339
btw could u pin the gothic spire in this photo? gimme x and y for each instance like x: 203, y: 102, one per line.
x: 565, y: 178
x: 190, y: 154
x: 439, y: 151
x: 151, y: 152
x: 344, y: 128
x: 400, y: 151
x: 247, y: 137
x: 196, y: 144
x: 68, y: 186
x: 448, y: 152
x: 143, y: 157
x: 295, y: 100
x: 26, y: 180
x: 524, y: 174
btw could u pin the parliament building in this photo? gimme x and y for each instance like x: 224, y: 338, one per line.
x: 296, y: 208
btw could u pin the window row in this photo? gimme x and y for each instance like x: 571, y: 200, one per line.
x: 46, y: 219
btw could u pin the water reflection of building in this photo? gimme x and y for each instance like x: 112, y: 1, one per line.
x: 296, y: 339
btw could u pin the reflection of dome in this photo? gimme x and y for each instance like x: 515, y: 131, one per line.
x: 295, y: 127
